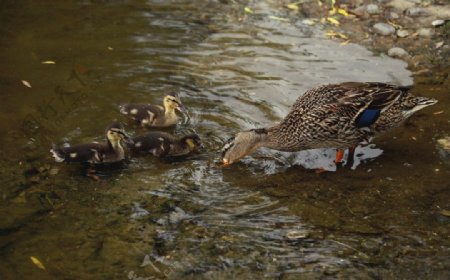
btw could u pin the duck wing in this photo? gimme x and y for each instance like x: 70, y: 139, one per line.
x: 155, y: 142
x: 142, y: 113
x: 90, y: 152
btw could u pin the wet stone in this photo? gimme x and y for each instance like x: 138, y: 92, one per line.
x: 393, y: 15
x: 425, y: 32
x: 416, y: 12
x: 402, y: 33
x: 383, y: 29
x: 372, y: 9
x: 398, y: 53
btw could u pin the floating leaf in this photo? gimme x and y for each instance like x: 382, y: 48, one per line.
x: 26, y: 83
x: 278, y: 18
x: 248, y: 10
x: 293, y: 6
x: 48, y: 62
x: 110, y: 48
x: 445, y: 213
x: 342, y: 12
x: 438, y: 112
x: 37, y: 262
x: 333, y: 21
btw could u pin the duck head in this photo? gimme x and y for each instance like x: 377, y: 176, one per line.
x: 193, y: 142
x: 116, y: 133
x: 242, y: 144
x: 173, y: 102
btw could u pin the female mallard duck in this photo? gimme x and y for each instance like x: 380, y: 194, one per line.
x: 148, y: 115
x: 331, y: 116
x: 95, y: 153
x: 162, y: 144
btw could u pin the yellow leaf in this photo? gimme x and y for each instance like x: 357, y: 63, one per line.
x: 342, y: 12
x: 248, y: 10
x: 110, y: 48
x: 26, y: 83
x: 345, y: 43
x: 48, y: 62
x: 395, y: 25
x: 319, y: 3
x: 332, y: 11
x: 333, y: 21
x: 37, y: 262
x: 293, y: 6
x: 278, y: 18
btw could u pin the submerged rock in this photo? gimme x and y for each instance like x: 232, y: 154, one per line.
x: 383, y: 29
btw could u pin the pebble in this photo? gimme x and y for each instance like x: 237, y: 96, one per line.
x: 416, y: 12
x: 438, y: 22
x: 384, y: 29
x: 372, y: 9
x: 397, y: 52
x: 402, y: 33
x: 393, y: 15
x: 425, y: 32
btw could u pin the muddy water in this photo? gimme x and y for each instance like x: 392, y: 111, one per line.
x: 268, y: 216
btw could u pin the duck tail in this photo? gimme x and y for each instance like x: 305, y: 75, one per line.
x: 420, y: 103
x: 57, y: 153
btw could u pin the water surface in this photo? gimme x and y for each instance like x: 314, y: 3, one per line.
x: 268, y: 216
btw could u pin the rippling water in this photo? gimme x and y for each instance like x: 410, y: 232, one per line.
x: 264, y: 217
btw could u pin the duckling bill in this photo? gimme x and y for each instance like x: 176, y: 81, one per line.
x: 148, y: 115
x: 112, y: 150
x: 331, y: 116
x: 162, y: 144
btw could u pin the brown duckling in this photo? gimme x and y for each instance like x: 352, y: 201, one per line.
x: 148, y: 115
x: 163, y: 144
x: 95, y: 153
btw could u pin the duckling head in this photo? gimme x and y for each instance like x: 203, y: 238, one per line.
x: 116, y: 133
x: 193, y: 142
x: 242, y: 144
x: 173, y: 102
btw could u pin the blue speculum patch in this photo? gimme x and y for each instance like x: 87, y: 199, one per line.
x: 367, y: 117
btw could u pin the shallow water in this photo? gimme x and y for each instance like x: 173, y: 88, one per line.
x: 267, y: 216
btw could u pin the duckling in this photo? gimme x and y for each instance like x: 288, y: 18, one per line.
x: 331, y: 116
x: 163, y: 144
x: 95, y: 153
x: 147, y: 115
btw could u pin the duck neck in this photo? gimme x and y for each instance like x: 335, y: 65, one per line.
x: 116, y: 146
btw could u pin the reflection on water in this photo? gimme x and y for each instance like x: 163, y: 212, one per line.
x: 265, y: 216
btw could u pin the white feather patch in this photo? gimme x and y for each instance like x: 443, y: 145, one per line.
x: 134, y: 111
x: 73, y: 155
x: 56, y: 156
x: 138, y: 144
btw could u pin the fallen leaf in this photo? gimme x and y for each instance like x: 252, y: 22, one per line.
x: 48, y: 62
x: 37, y: 262
x: 26, y: 83
x: 333, y: 21
x: 293, y: 6
x: 342, y: 12
x: 345, y: 43
x: 439, y: 45
x: 414, y: 138
x: 395, y: 25
x: 278, y: 18
x: 438, y: 112
x: 333, y: 34
x: 248, y: 10
x: 308, y: 21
